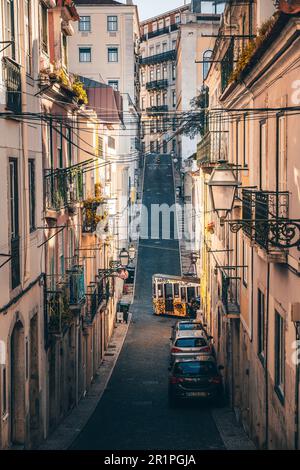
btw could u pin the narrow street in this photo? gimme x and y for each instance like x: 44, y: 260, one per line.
x: 133, y: 412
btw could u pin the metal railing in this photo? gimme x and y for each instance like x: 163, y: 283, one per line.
x: 157, y: 84
x: 158, y: 58
x: 159, y: 32
x: 99, y: 295
x: 12, y: 74
x: 227, y: 65
x: 264, y: 212
x: 230, y: 294
x: 76, y: 285
x: 63, y: 188
x: 157, y: 109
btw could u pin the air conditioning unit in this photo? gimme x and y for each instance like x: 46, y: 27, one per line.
x: 295, y: 312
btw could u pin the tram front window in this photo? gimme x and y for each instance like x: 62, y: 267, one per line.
x: 191, y: 293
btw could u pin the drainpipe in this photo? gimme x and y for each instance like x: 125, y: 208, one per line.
x: 266, y: 363
x: 297, y: 381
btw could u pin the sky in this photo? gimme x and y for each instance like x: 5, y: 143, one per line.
x: 149, y: 8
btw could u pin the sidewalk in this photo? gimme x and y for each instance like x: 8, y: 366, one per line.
x: 67, y: 432
x: 232, y: 433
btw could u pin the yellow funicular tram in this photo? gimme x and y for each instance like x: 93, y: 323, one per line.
x: 174, y: 295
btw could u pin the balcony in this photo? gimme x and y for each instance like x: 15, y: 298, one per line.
x: 157, y: 85
x: 159, y: 58
x: 97, y: 298
x: 230, y: 295
x: 265, y: 220
x: 76, y: 286
x: 63, y: 189
x: 12, y: 74
x: 227, y: 65
x: 157, y: 109
x: 90, y: 216
x: 159, y: 32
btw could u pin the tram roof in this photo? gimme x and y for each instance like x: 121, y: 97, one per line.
x: 168, y: 277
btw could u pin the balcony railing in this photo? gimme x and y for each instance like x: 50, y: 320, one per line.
x: 157, y: 109
x: 96, y: 298
x: 158, y: 58
x: 159, y: 32
x: 230, y: 295
x: 265, y: 214
x: 76, y: 286
x: 12, y: 73
x: 227, y: 66
x: 63, y: 188
x: 157, y: 85
x: 204, y: 150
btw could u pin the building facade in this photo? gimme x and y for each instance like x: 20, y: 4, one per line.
x: 104, y: 48
x: 158, y: 52
x: 250, y: 269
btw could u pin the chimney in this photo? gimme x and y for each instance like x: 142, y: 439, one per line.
x: 129, y: 2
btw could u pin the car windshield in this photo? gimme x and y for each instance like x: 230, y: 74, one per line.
x: 191, y: 342
x: 190, y: 326
x: 206, y: 368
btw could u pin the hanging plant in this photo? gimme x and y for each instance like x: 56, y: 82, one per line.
x: 80, y: 92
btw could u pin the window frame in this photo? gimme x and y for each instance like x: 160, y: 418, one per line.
x: 112, y: 22
x: 80, y: 52
x: 111, y: 54
x: 32, y: 194
x: 279, y: 356
x: 261, y: 329
x: 114, y: 84
x: 88, y: 22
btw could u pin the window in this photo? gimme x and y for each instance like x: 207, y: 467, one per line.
x: 62, y: 253
x: 113, y: 54
x: 114, y: 84
x: 31, y: 187
x: 85, y: 54
x: 143, y: 104
x: 279, y: 354
x: 165, y: 149
x: 59, y: 137
x: 143, y: 77
x: 10, y: 26
x: 154, y: 26
x: 14, y: 222
x: 44, y: 27
x: 165, y: 98
x: 164, y: 47
x: 151, y: 101
x: 3, y: 393
x: 174, y: 72
x: 263, y: 156
x: 158, y: 73
x: 174, y: 145
x: 174, y: 124
x: 111, y: 142
x: 245, y: 141
x: 158, y: 99
x: 174, y: 42
x: 151, y: 51
x: 177, y: 19
x: 245, y: 263
x: 165, y: 72
x: 158, y: 49
x: 84, y: 23
x: 160, y: 24
x: 206, y: 63
x: 69, y: 142
x: 65, y: 50
x: 174, y: 98
x: 28, y: 36
x: 151, y: 75
x: 281, y: 150
x: 261, y: 324
x: 112, y: 23
x: 152, y: 147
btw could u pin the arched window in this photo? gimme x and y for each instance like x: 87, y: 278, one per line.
x: 206, y: 62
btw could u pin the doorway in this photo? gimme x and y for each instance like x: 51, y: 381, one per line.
x: 17, y: 348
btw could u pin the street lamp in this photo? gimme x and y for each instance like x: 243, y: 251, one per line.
x: 124, y: 257
x: 131, y: 253
x: 222, y: 187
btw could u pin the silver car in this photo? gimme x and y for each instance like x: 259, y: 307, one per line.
x: 187, y: 325
x: 189, y: 344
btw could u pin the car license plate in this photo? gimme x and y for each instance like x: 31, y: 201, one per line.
x: 197, y: 394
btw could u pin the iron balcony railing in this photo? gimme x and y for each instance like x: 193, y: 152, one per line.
x: 204, y: 150
x: 227, y: 65
x: 265, y: 214
x: 230, y: 295
x: 63, y: 188
x: 158, y: 58
x: 97, y: 298
x: 76, y: 285
x: 159, y: 32
x: 157, y: 109
x: 12, y: 74
x: 157, y: 85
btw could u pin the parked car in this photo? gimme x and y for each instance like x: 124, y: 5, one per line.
x: 189, y: 343
x: 196, y: 378
x: 187, y: 325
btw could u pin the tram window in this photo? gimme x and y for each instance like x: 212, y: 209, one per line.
x: 183, y: 294
x: 160, y: 292
x: 168, y: 291
x: 154, y: 289
x: 191, y: 293
x: 176, y: 290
